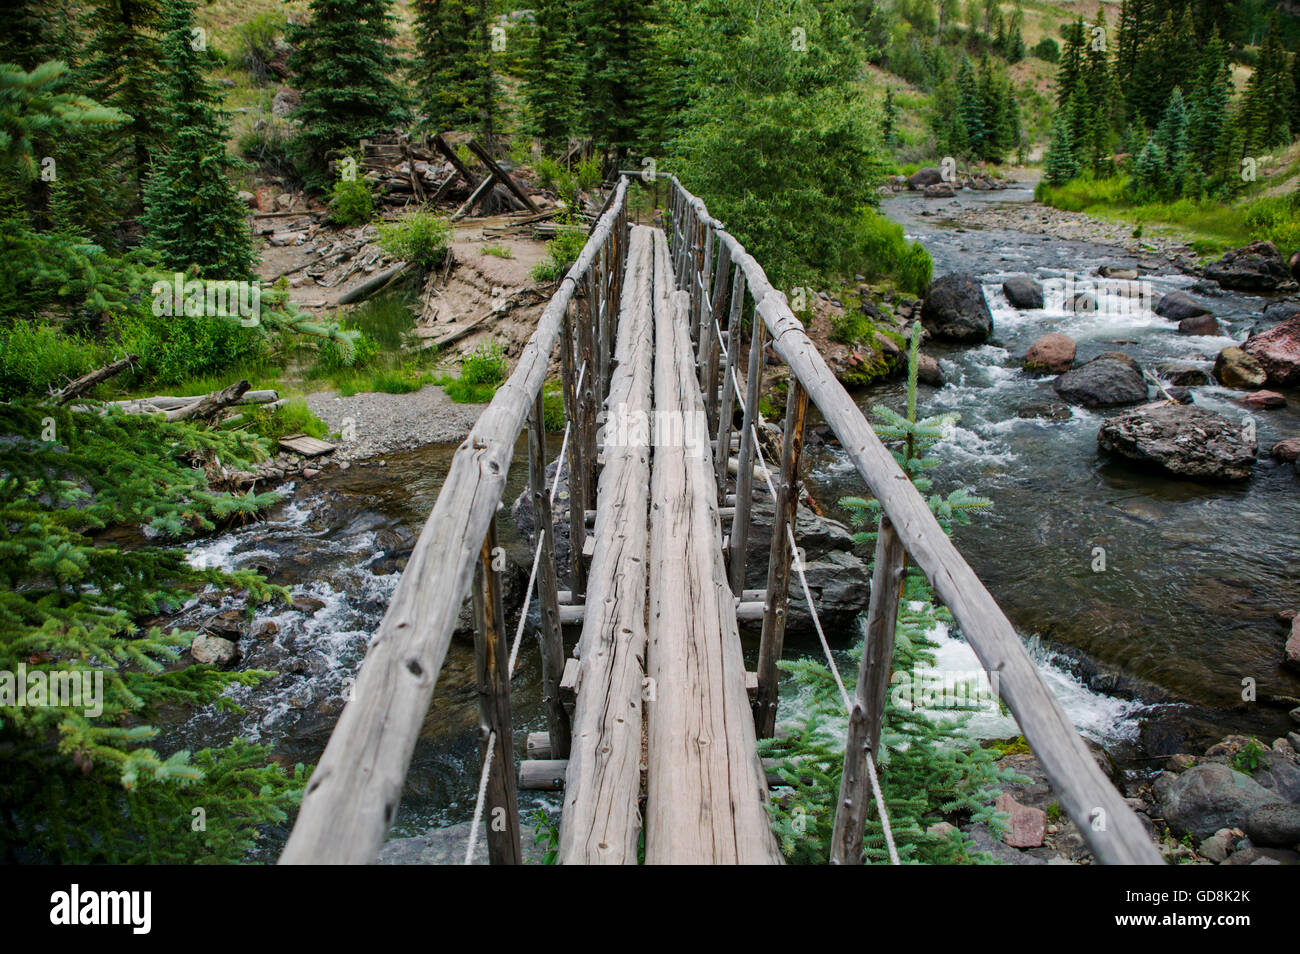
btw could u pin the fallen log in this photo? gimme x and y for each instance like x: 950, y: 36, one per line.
x: 167, y: 402
x: 87, y: 381
x: 502, y: 176
x: 374, y: 283
x: 211, y: 405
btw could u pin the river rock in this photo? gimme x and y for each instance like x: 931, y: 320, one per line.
x: 1047, y: 410
x: 1121, y: 272
x: 1254, y: 267
x: 1177, y: 305
x: 1262, y: 400
x: 940, y: 190
x: 1274, y: 826
x: 1291, y: 652
x: 1108, y: 380
x: 1208, y: 797
x: 1286, y: 451
x: 1183, y: 373
x: 1200, y: 325
x: 1023, y: 292
x: 929, y: 372
x: 1279, y: 311
x: 213, y: 650
x: 1219, y: 845
x: 1179, y: 394
x: 1026, y: 826
x: 923, y: 177
x: 1052, y: 352
x: 1278, y: 353
x: 1183, y: 440
x: 1293, y: 263
x: 1236, y: 369
x: 955, y: 309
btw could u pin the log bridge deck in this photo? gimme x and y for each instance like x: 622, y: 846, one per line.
x: 653, y: 720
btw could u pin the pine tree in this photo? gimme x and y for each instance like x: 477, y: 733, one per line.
x: 1061, y: 165
x: 1267, y: 103
x: 1171, y: 138
x: 889, y: 119
x: 549, y: 80
x: 971, y: 110
x: 1207, y: 112
x: 193, y: 214
x: 453, y: 71
x: 616, y: 66
x: 346, y: 70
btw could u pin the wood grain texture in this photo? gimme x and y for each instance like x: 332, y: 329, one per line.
x: 601, y: 822
x: 706, y: 798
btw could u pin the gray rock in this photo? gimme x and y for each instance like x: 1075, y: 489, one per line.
x: 921, y: 178
x: 1236, y: 369
x: 955, y: 309
x: 1023, y: 292
x: 929, y: 372
x: 1108, y: 380
x: 1208, y: 797
x: 1254, y: 267
x: 1219, y: 845
x: 213, y: 650
x: 1274, y: 826
x: 1279, y: 311
x: 1204, y: 325
x: 1182, y: 440
x: 940, y: 190
x: 1183, y: 373
x: 1178, y: 306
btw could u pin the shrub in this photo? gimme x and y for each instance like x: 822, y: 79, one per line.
x: 884, y: 252
x: 292, y: 417
x: 175, y: 348
x: 331, y: 358
x: 553, y: 408
x: 561, y: 252
x: 486, y: 364
x: 552, y: 175
x: 498, y: 251
x: 352, y: 202
x: 35, y: 357
x: 255, y: 42
x: 589, y: 173
x: 419, y: 237
x: 270, y: 145
x: 1047, y: 49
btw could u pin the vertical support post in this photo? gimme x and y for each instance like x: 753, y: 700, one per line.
x: 717, y: 302
x: 548, y: 597
x: 745, y: 472
x: 867, y: 717
x: 777, y: 596
x: 728, y: 387
x: 587, y: 393
x: 492, y: 671
x: 577, y: 480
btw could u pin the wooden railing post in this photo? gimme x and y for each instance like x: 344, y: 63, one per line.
x: 868, y: 715
x: 728, y: 400
x: 587, y: 393
x: 577, y: 481
x: 777, y: 596
x: 745, y: 471
x: 550, y: 637
x: 492, y: 670
x: 717, y: 302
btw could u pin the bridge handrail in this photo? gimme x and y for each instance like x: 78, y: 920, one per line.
x: 1110, y: 827
x: 352, y: 797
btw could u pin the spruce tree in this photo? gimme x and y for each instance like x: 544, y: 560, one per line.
x: 1267, y: 103
x: 1171, y: 137
x: 1061, y: 165
x: 549, y: 78
x: 1207, y: 112
x: 346, y: 69
x: 193, y: 214
x: 616, y: 66
x: 453, y: 71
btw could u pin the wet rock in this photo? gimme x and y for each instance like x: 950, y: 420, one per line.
x: 1179, y: 395
x: 1291, y: 652
x: 1286, y: 451
x: 1254, y: 267
x: 1274, y: 826
x: 1108, y: 380
x: 1178, y: 306
x: 955, y: 309
x: 1183, y: 373
x: 1051, y: 411
x: 929, y: 372
x: 1182, y: 440
x: 940, y: 190
x: 1207, y: 798
x: 1236, y: 369
x: 1262, y: 400
x: 213, y: 650
x: 1219, y: 845
x: 1121, y: 272
x: 1023, y: 292
x: 1052, y: 352
x: 923, y: 177
x: 1200, y: 325
x: 1279, y: 311
x: 266, y: 629
x: 1278, y: 353
x: 307, y: 605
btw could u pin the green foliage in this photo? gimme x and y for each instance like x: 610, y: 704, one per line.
x: 546, y: 835
x: 453, y: 72
x: 255, y: 42
x: 553, y: 408
x: 881, y: 250
x: 292, y: 417
x: 482, y: 371
x: 616, y: 71
x: 270, y: 145
x: 561, y: 252
x: 173, y: 348
x: 1047, y: 49
x: 1246, y: 760
x: 346, y: 68
x: 419, y: 237
x: 193, y: 214
x: 35, y: 357
x: 80, y: 783
x: 929, y: 770
x: 552, y: 175
x: 550, y: 72
x: 498, y: 251
x: 351, y: 201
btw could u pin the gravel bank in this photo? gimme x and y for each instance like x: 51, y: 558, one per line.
x: 374, y: 424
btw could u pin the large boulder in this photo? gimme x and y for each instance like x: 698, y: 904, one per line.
x: 1052, y: 352
x: 1108, y: 380
x: 210, y: 650
x: 1278, y: 353
x: 940, y: 190
x: 1183, y: 373
x: 1200, y: 325
x: 1182, y: 440
x: 1208, y: 797
x: 1023, y: 292
x: 926, y: 176
x: 1277, y: 312
x: 955, y: 309
x: 1236, y: 369
x: 1179, y: 305
x: 1254, y: 267
x: 1274, y: 825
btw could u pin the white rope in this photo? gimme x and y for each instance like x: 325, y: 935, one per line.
x: 482, y: 793
x: 528, y: 598
x: 559, y: 468
x: 830, y: 659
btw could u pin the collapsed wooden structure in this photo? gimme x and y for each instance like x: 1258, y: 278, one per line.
x: 649, y: 326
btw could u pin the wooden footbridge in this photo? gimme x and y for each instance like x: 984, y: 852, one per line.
x: 653, y: 719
